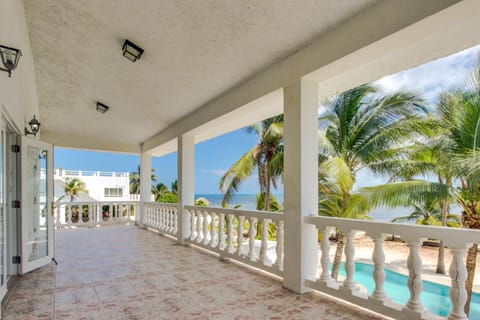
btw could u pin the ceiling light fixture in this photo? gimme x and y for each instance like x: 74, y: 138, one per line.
x: 131, y: 51
x: 102, y: 108
x: 34, y: 126
x: 9, y: 57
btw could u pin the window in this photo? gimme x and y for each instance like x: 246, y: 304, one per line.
x: 113, y: 192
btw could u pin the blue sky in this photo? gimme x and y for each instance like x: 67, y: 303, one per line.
x: 215, y: 156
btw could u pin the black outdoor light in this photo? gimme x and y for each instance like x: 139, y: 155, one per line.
x: 102, y: 108
x: 9, y: 57
x: 131, y: 51
x: 34, y: 126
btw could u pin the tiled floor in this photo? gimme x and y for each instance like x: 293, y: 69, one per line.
x: 117, y: 273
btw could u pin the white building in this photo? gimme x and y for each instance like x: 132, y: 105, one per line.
x: 101, y: 185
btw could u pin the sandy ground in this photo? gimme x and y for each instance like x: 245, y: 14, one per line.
x: 396, y: 254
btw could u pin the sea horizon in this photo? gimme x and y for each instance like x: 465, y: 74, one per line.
x: 247, y: 201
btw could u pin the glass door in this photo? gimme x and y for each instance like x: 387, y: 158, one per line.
x: 37, y: 230
x: 3, y: 209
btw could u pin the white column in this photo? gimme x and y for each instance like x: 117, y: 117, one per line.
x: 186, y: 182
x: 301, y: 192
x: 145, y: 184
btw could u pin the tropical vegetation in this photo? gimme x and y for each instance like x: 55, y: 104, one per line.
x: 72, y: 187
x: 364, y: 128
x: 266, y: 157
x: 134, y: 177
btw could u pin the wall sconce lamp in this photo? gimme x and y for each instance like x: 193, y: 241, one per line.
x: 34, y: 126
x: 131, y: 51
x: 9, y: 57
x: 102, y: 108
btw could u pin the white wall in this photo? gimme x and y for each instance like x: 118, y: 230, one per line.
x: 95, y: 184
x: 18, y: 94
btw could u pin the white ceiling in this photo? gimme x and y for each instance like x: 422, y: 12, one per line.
x: 194, y: 52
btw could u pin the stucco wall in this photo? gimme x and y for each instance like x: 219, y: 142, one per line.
x: 18, y: 94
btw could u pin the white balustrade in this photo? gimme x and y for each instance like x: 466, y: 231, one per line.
x: 91, y: 214
x: 161, y: 217
x: 225, y: 232
x: 456, y: 240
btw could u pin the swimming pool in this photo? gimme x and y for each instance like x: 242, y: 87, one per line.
x: 435, y: 297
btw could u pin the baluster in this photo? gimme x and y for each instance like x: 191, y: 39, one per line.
x: 192, y: 225
x: 168, y: 224
x: 264, y: 246
x: 221, y: 231
x: 146, y: 215
x: 206, y: 233
x: 458, y: 293
x: 230, y: 249
x: 90, y: 216
x: 213, y: 231
x: 69, y: 213
x: 161, y: 217
x: 414, y: 264
x: 251, y: 239
x: 154, y: 217
x: 200, y: 234
x: 58, y: 220
x: 325, y: 260
x: 378, y: 258
x: 240, y: 235
x: 279, y: 246
x: 175, y: 221
x: 349, y: 284
x: 153, y: 213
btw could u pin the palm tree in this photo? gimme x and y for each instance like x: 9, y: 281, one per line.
x: 427, y: 159
x: 72, y: 187
x: 459, y: 119
x: 175, y: 187
x: 134, y: 177
x: 159, y: 190
x: 460, y: 112
x: 363, y: 127
x: 266, y: 156
x: 430, y: 214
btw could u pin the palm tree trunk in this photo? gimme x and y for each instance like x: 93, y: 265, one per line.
x: 471, y: 265
x: 441, y: 248
x: 441, y: 259
x: 338, y: 255
x: 267, y: 194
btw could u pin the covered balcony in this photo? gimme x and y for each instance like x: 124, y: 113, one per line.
x: 208, y: 68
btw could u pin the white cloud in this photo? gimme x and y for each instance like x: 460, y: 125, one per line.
x: 216, y: 172
x: 434, y: 77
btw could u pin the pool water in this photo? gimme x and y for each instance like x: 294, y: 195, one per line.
x: 435, y: 297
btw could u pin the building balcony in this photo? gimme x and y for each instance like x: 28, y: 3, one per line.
x: 132, y: 273
x: 124, y: 272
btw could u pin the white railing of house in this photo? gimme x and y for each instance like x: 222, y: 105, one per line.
x: 86, y: 173
x: 95, y: 213
x: 136, y: 197
x: 162, y: 217
x: 233, y: 234
x: 455, y: 239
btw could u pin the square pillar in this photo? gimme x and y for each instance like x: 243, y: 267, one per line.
x: 145, y: 184
x: 300, y: 182
x: 186, y: 183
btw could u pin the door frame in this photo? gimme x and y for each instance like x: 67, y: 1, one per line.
x: 25, y: 265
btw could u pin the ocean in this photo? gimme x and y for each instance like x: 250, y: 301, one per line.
x: 248, y: 202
